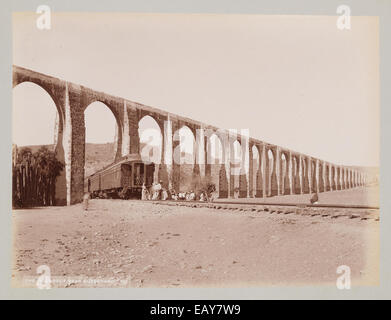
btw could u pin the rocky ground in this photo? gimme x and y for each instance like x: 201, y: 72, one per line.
x: 122, y: 243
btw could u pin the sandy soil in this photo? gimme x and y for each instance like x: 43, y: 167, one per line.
x: 119, y: 243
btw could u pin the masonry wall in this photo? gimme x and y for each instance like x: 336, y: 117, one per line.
x: 71, y: 101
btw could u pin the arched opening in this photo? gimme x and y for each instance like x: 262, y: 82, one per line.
x: 215, y: 168
x: 285, y: 188
x: 314, y: 180
x: 272, y: 175
x: 304, y: 174
x: 215, y: 150
x: 34, y: 115
x: 339, y: 178
x: 327, y: 177
x: 184, y: 156
x: 236, y: 168
x: 184, y: 152
x: 283, y: 166
x: 150, y: 140
x: 296, y: 175
x: 37, y: 132
x: 351, y: 178
x: 332, y: 177
x: 320, y: 175
x: 151, y: 146
x: 101, y: 137
x: 256, y: 174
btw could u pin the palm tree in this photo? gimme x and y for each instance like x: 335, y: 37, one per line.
x: 35, y: 177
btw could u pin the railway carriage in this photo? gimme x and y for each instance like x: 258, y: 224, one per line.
x: 123, y: 179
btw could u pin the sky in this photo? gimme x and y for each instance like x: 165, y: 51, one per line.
x: 294, y: 81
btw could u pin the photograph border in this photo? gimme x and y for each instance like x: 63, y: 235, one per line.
x: 382, y: 9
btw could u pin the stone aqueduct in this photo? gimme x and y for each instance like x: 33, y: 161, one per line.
x: 301, y: 174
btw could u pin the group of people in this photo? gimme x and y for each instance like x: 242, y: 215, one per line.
x: 157, y: 192
x: 189, y: 196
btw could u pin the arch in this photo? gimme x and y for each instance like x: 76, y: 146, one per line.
x: 215, y: 150
x: 184, y: 153
x: 184, y: 156
x: 151, y: 147
x: 304, y: 173
x: 296, y: 174
x: 284, y: 174
x: 270, y: 155
x: 159, y: 118
x: 151, y: 140
x: 34, y: 86
x: 357, y: 178
x: 327, y: 177
x: 314, y: 177
x: 42, y: 108
x: 236, y: 155
x: 271, y: 172
x: 56, y: 90
x: 114, y: 105
x: 351, y: 178
x: 342, y: 170
x: 255, y: 171
x: 108, y: 137
x: 350, y: 184
x: 215, y: 167
x: 320, y: 175
x: 222, y: 136
x: 256, y: 167
x: 235, y: 165
x: 346, y: 179
x: 332, y: 178
x: 338, y: 178
x: 46, y: 106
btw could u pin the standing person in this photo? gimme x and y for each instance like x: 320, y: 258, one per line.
x: 86, y: 199
x: 158, y: 189
x: 144, y: 192
x: 191, y: 196
x: 164, y: 194
x: 153, y: 191
x: 314, y: 199
x: 173, y: 194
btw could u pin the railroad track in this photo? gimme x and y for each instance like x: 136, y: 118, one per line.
x: 279, y: 204
x: 337, y: 206
x: 334, y: 210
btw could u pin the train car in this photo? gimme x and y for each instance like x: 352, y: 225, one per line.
x: 94, y: 183
x: 123, y: 179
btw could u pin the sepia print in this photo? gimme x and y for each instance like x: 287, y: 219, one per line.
x: 195, y: 150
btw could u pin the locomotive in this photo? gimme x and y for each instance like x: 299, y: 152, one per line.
x: 123, y: 179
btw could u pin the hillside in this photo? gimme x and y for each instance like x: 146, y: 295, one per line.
x: 98, y: 155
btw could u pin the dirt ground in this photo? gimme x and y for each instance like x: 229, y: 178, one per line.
x: 359, y: 196
x: 123, y: 243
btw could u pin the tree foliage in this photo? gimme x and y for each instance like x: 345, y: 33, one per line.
x: 34, y: 177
